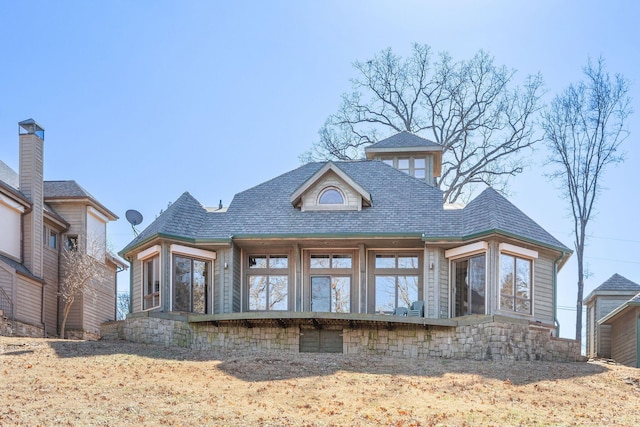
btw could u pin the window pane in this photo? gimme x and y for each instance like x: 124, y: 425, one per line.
x: 408, y: 262
x: 403, y: 165
x: 385, y: 261
x: 151, y: 283
x: 331, y: 196
x: 477, y: 284
x: 257, y: 262
x: 340, y: 294
x: 321, y: 293
x: 388, y: 162
x: 419, y: 173
x: 257, y: 292
x: 407, y: 290
x: 53, y: 240
x: 341, y: 261
x: 280, y: 261
x: 278, y: 292
x: 199, y: 286
x: 182, y: 284
x: 385, y: 294
x: 419, y: 163
x: 523, y: 285
x: 506, y: 274
x: 320, y: 261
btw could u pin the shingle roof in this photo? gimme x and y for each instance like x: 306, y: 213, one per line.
x: 18, y: 267
x: 56, y: 190
x: 492, y: 211
x: 404, y: 139
x: 8, y: 175
x: 401, y: 206
x: 618, y: 283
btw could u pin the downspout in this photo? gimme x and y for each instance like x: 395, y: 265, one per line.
x: 555, y: 292
x: 130, y: 285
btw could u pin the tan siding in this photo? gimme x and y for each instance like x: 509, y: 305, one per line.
x: 51, y: 258
x: 74, y: 213
x: 99, y: 305
x: 431, y: 305
x: 74, y: 319
x: 543, y: 290
x: 444, y: 285
x: 625, y: 337
x: 7, y: 278
x: 136, y: 282
x: 603, y: 306
x: 28, y: 302
x: 237, y: 280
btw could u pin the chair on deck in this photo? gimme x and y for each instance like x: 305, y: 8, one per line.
x: 400, y: 311
x: 416, y: 309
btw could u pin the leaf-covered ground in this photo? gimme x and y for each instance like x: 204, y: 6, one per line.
x: 54, y: 382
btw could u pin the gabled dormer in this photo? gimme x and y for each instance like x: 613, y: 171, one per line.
x: 412, y: 154
x: 330, y: 189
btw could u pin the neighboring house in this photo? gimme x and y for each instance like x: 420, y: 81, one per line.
x: 38, y: 218
x: 341, y: 245
x: 603, y: 300
x: 624, y: 322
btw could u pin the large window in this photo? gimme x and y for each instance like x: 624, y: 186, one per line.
x: 330, y: 276
x: 189, y: 284
x: 268, y: 282
x: 515, y: 283
x: 150, y: 282
x: 396, y: 280
x: 469, y: 285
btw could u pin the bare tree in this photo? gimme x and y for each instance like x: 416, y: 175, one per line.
x: 122, y: 305
x: 471, y: 108
x: 84, y: 268
x: 584, y: 127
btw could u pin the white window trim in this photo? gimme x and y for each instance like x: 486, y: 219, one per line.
x: 149, y: 252
x: 331, y: 187
x: 193, y: 252
x: 518, y: 251
x: 467, y: 250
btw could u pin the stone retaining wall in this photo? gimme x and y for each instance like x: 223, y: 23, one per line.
x: 486, y: 338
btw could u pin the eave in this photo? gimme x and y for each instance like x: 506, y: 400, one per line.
x: 566, y: 252
x: 609, y: 318
x: 87, y: 200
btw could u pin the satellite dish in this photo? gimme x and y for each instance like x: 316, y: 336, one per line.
x: 134, y: 217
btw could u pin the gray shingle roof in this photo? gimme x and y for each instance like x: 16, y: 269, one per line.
x: 401, y: 206
x: 404, y: 139
x: 55, y: 190
x: 618, y: 283
x: 492, y: 211
x: 8, y: 175
x: 18, y: 267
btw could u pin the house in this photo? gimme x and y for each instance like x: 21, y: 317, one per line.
x: 38, y: 219
x: 604, y: 299
x: 606, y: 305
x: 624, y: 322
x: 321, y: 257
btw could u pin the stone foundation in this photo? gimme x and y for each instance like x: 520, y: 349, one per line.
x: 483, y: 338
x: 19, y: 329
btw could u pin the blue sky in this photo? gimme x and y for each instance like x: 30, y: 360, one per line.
x: 144, y: 100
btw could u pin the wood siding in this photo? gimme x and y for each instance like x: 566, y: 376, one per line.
x: 236, y: 284
x: 136, y: 286
x: 28, y: 301
x: 8, y: 281
x: 99, y: 305
x: 603, y: 306
x: 624, y: 335
x: 543, y: 289
x: 445, y: 292
x: 51, y: 267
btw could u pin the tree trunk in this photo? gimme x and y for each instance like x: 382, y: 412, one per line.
x: 65, y: 313
x: 579, y: 311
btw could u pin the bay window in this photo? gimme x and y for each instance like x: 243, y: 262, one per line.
x: 515, y: 283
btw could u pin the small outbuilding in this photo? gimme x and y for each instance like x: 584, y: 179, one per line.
x: 624, y: 322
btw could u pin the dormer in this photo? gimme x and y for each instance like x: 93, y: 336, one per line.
x: 412, y: 154
x: 330, y: 189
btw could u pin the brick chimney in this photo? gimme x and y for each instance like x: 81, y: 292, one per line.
x: 31, y: 136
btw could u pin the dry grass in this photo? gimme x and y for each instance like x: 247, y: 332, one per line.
x: 53, y: 382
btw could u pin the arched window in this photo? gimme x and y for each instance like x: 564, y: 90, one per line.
x: 331, y: 196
